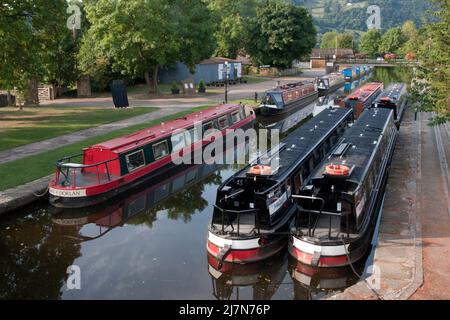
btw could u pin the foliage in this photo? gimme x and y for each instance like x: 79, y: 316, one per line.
x: 431, y: 86
x: 134, y: 37
x: 231, y: 17
x: 29, y: 30
x: 174, y: 85
x: 333, y: 39
x: 370, y: 42
x: 340, y: 16
x: 279, y: 34
x: 392, y: 40
x: 201, y: 84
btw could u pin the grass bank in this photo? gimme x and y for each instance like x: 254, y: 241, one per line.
x: 28, y: 169
x: 21, y: 127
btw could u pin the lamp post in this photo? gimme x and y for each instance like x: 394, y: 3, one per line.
x: 226, y: 81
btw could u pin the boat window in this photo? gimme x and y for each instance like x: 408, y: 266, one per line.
x: 242, y: 111
x: 223, y: 122
x: 178, y: 142
x: 191, y: 137
x: 235, y: 117
x: 208, y: 126
x: 135, y: 160
x: 160, y: 150
x: 274, y: 99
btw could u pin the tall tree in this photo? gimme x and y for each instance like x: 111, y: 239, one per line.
x: 137, y: 37
x: 27, y: 40
x: 280, y: 33
x: 410, y: 33
x: 370, y: 42
x: 430, y: 89
x: 392, y: 40
x: 231, y: 17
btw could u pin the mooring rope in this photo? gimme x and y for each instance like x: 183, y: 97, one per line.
x: 41, y: 195
x: 357, y: 274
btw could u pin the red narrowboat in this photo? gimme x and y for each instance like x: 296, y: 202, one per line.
x: 363, y: 97
x: 114, y: 166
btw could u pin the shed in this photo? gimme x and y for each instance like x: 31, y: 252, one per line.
x: 209, y: 70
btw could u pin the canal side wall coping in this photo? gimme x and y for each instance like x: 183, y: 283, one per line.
x: 398, y: 255
x: 16, y: 198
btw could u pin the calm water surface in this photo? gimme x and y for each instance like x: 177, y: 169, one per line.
x: 151, y: 244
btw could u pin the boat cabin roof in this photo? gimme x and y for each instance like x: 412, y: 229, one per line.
x: 158, y: 132
x: 290, y: 86
x: 365, y: 91
x: 357, y: 146
x: 301, y: 142
x: 392, y: 93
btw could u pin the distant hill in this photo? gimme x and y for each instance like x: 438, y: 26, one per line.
x: 352, y: 14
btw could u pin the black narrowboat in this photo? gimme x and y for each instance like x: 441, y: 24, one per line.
x: 339, y: 203
x: 394, y: 97
x: 288, y: 97
x: 329, y: 83
x: 253, y: 208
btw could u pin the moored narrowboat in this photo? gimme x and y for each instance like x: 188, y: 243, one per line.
x: 254, y: 207
x: 394, y: 97
x: 288, y: 97
x: 330, y: 83
x: 114, y: 166
x: 363, y: 97
x: 340, y: 202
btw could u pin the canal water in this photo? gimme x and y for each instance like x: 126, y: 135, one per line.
x: 151, y: 243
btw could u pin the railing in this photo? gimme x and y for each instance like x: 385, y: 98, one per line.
x: 65, y: 165
x: 312, y: 227
x: 225, y: 212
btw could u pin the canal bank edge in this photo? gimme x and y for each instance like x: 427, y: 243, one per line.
x: 16, y: 198
x: 398, y: 255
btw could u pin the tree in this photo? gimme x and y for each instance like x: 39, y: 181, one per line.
x: 430, y: 90
x: 332, y: 39
x: 138, y: 37
x: 27, y: 40
x: 392, y: 40
x: 230, y: 31
x: 370, y: 42
x: 410, y: 33
x: 280, y: 33
x: 329, y: 40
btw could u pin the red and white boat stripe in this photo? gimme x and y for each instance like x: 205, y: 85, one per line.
x: 330, y: 256
x: 240, y: 250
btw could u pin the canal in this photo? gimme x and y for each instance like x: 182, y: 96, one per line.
x: 151, y: 243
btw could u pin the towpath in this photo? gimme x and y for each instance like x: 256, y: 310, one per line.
x: 411, y: 257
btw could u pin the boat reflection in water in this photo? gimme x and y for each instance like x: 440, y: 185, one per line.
x: 315, y: 283
x: 258, y: 281
x: 183, y: 185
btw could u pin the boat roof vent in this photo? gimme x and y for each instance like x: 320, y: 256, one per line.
x: 340, y: 151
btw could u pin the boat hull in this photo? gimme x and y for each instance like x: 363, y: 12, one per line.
x: 267, y: 111
x: 250, y: 249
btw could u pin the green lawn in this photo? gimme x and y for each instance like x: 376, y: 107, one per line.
x: 255, y: 79
x: 28, y: 169
x: 21, y: 127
